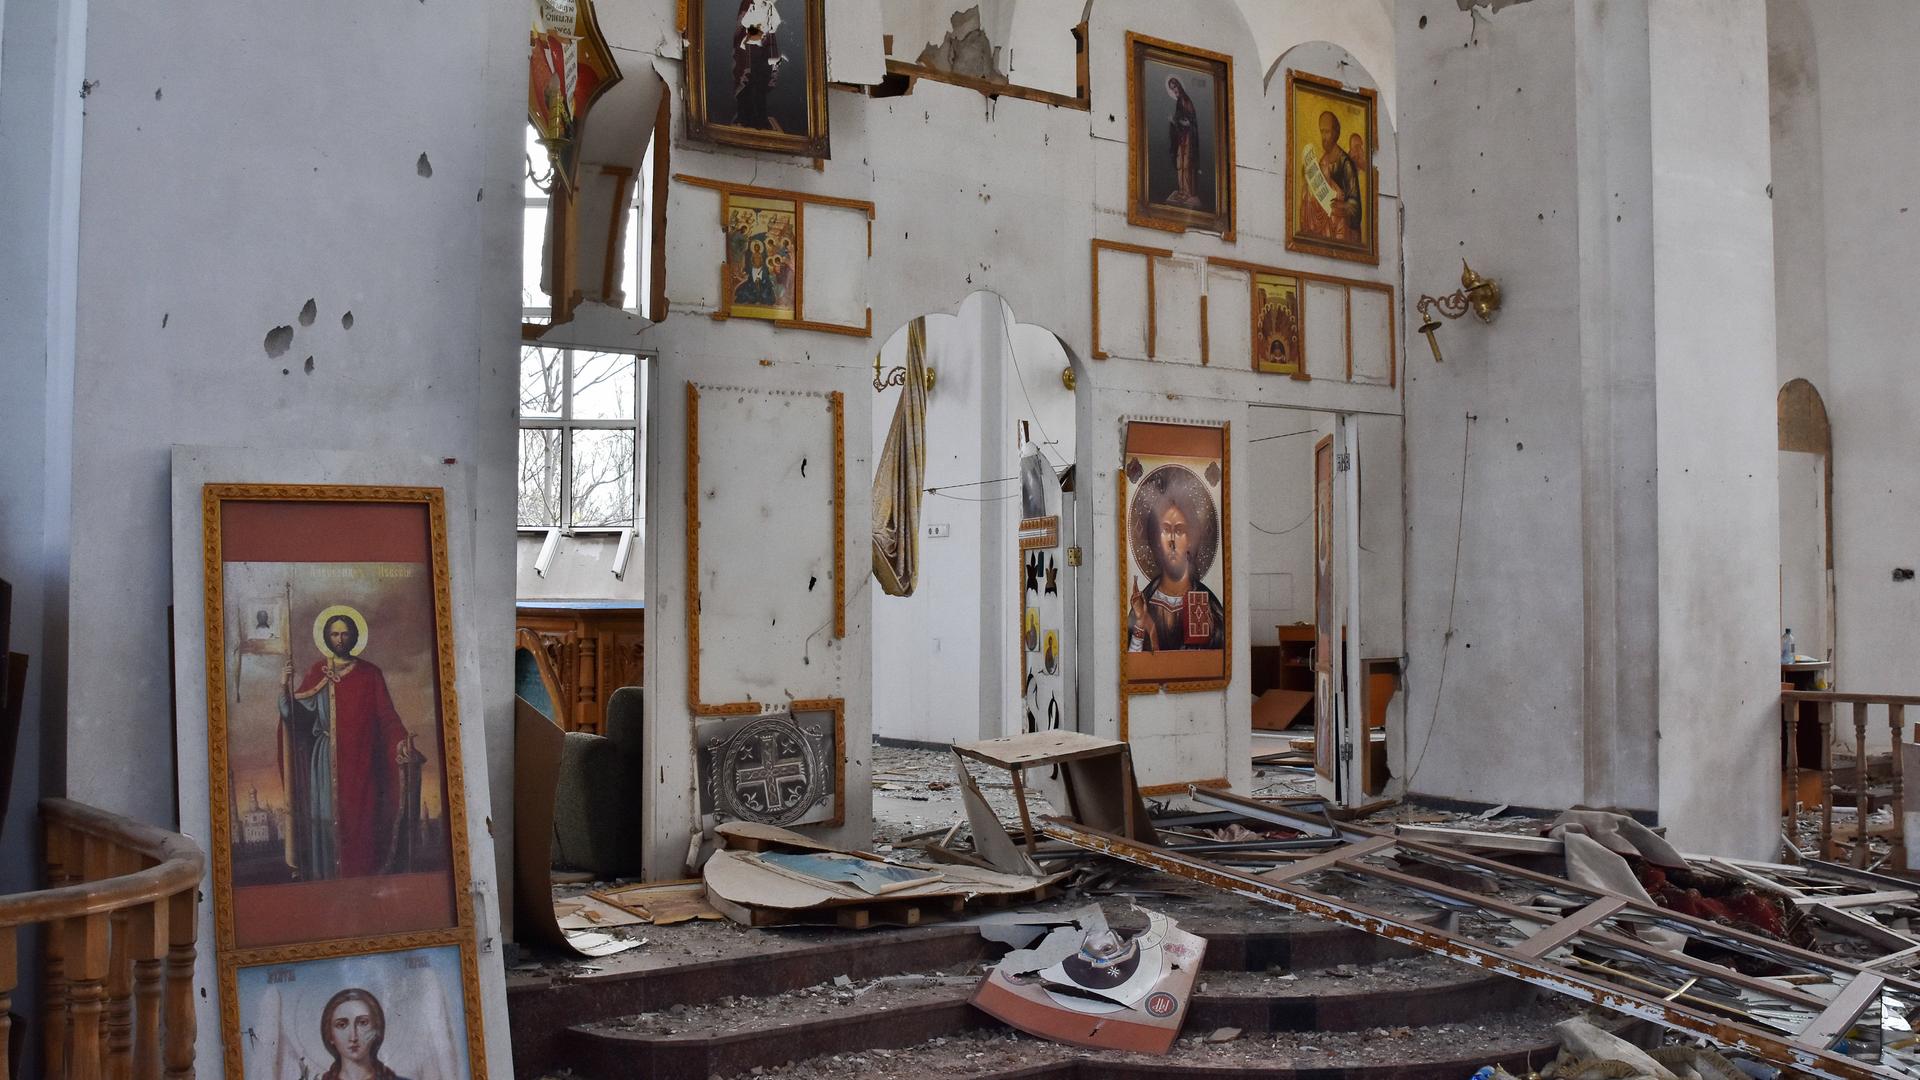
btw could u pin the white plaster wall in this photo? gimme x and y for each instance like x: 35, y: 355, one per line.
x: 1717, y: 436
x: 225, y: 187
x: 1847, y: 271
x: 1277, y: 499
x: 1494, y: 633
x: 1365, y: 28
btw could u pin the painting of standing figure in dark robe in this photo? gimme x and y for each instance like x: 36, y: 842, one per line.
x: 756, y: 74
x: 1180, y: 137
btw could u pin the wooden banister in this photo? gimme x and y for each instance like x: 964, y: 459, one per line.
x: 1825, y: 702
x: 117, y: 928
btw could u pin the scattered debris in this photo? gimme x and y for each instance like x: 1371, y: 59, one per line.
x: 753, y: 890
x: 1088, y: 985
x: 664, y: 903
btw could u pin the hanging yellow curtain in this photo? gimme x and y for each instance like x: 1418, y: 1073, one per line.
x: 898, y: 479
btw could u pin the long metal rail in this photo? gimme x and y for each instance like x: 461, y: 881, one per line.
x: 1807, y: 1012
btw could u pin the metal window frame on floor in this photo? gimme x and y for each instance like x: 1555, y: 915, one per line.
x: 1546, y: 958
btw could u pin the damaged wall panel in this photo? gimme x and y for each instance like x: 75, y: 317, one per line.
x: 767, y: 474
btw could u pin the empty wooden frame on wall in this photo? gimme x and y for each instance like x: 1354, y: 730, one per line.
x: 1349, y: 325
x: 823, y: 280
x: 769, y: 466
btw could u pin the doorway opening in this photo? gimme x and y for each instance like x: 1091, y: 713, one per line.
x: 1325, y: 682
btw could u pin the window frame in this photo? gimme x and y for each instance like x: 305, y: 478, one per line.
x: 566, y: 424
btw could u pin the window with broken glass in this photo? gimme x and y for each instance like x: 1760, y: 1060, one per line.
x: 580, y: 439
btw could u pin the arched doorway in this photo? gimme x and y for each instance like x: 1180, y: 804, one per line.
x: 1806, y: 521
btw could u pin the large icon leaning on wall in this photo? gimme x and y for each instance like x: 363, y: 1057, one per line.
x: 337, y: 795
x: 388, y: 1014
x: 1174, y: 513
x: 763, y: 257
x: 757, y: 74
x: 1333, y: 198
x: 1179, y: 137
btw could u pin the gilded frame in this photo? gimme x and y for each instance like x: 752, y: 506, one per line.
x: 1130, y: 687
x: 1298, y: 368
x: 1365, y: 99
x: 1217, y: 66
x: 836, y: 407
x: 800, y: 202
x: 812, y: 142
x: 229, y: 958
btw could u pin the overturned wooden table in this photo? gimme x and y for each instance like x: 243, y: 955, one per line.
x: 1096, y: 773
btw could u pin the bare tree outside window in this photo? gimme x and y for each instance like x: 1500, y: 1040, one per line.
x: 579, y: 438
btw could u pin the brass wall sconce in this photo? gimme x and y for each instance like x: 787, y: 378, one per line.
x: 895, y: 376
x: 1481, y: 295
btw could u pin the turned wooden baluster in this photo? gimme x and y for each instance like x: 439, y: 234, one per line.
x: 182, y: 925
x: 1825, y: 709
x: 147, y: 926
x: 63, y: 859
x: 118, y: 1034
x: 9, y: 978
x: 87, y: 974
x: 1860, y: 800
x: 1897, y: 727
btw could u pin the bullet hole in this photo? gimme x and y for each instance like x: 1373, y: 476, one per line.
x: 1519, y: 446
x: 424, y: 167
x: 309, y: 365
x: 1423, y: 22
x: 346, y: 321
x: 1903, y: 573
x: 803, y: 468
x: 87, y: 86
x: 1542, y: 217
x: 481, y: 194
x: 279, y: 340
x: 811, y: 582
x: 308, y: 311
x: 163, y: 319
x: 1109, y: 118
x: 156, y: 93
x: 1469, y: 644
x: 286, y: 371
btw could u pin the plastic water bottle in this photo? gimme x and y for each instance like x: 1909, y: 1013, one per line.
x: 1786, y: 646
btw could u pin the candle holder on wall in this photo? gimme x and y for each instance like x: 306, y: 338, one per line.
x: 1480, y: 295
x: 895, y: 376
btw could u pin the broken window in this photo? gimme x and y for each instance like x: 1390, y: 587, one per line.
x: 580, y: 465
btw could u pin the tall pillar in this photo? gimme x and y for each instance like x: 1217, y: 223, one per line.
x: 1602, y: 625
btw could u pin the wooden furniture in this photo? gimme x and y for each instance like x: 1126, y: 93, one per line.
x: 118, y: 920
x: 1283, y: 691
x: 1097, y: 774
x: 593, y: 647
x: 1861, y: 793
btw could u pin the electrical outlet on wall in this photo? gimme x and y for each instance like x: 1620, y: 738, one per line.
x: 936, y: 531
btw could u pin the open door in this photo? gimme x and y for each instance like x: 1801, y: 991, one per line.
x: 1325, y: 727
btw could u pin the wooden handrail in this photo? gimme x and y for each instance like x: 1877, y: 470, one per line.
x: 116, y: 927
x: 1841, y: 698
x: 179, y: 860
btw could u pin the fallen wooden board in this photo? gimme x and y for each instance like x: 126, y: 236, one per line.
x: 663, y: 903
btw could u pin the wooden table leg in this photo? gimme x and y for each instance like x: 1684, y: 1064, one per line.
x: 1860, y: 800
x: 1026, y: 821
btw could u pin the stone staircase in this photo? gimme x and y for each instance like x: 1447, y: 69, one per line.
x: 1310, y: 1001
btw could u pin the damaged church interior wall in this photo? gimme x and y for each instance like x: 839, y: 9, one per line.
x: 1844, y: 273
x: 1612, y: 570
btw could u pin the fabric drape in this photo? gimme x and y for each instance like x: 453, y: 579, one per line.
x: 902, y: 472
